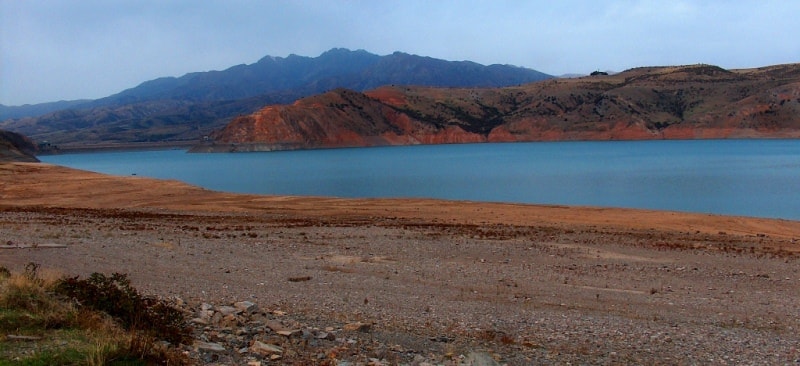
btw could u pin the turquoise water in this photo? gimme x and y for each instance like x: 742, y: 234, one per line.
x: 734, y: 177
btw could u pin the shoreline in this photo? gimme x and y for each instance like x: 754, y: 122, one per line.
x: 42, y: 184
x: 112, y: 147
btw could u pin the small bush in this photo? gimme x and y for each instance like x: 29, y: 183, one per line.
x: 4, y: 273
x: 86, y: 333
x: 114, y: 296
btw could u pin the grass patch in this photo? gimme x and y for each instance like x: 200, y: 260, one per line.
x: 51, y: 320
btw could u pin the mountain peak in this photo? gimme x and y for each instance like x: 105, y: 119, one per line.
x: 189, y: 106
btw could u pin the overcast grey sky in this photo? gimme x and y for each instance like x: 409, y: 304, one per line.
x: 61, y: 50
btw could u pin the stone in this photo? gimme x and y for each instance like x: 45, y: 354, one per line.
x: 229, y: 320
x: 227, y: 310
x: 265, y: 349
x: 326, y: 335
x: 357, y: 326
x: 206, y: 314
x: 246, y: 306
x: 275, y: 325
x: 479, y: 359
x: 289, y: 332
x: 209, y: 346
x: 216, y: 318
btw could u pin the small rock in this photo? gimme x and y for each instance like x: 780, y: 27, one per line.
x: 209, y: 347
x: 229, y: 320
x: 289, y: 332
x: 228, y: 310
x: 265, y: 349
x: 357, y: 326
x: 216, y: 318
x: 246, y: 306
x: 479, y: 359
x: 326, y: 335
x: 206, y: 314
x: 275, y: 325
x: 254, y: 363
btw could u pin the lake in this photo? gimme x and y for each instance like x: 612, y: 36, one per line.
x: 733, y: 177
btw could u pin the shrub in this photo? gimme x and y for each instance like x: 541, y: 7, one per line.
x: 114, y: 296
x: 86, y: 333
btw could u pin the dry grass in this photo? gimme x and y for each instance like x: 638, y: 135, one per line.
x: 40, y: 328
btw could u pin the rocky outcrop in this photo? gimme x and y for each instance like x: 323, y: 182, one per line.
x: 244, y: 334
x: 15, y: 147
x: 686, y: 102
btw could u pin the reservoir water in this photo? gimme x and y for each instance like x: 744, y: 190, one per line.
x: 733, y: 177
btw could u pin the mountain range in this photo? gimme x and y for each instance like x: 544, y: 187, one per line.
x: 15, y: 147
x: 676, y: 102
x: 186, y: 108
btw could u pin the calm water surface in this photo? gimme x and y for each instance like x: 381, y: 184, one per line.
x: 736, y: 177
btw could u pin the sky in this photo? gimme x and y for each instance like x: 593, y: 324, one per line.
x: 54, y: 50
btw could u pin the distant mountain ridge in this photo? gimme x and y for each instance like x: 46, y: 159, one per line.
x: 27, y: 110
x: 679, y: 102
x: 187, y: 107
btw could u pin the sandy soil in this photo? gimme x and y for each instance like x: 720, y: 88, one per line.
x: 526, y: 284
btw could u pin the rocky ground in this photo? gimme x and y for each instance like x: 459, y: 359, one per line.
x: 400, y: 292
x: 277, y: 281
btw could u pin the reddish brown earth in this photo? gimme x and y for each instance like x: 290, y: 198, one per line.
x: 683, y: 102
x: 437, y: 281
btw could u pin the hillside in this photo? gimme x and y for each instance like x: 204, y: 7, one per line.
x: 682, y: 102
x: 15, y: 147
x: 191, y: 106
x: 9, y: 112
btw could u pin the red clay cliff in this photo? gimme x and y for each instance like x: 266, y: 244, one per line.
x: 684, y: 102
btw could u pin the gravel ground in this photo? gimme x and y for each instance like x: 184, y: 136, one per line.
x: 435, y: 292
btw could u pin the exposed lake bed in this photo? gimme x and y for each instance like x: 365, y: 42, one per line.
x: 433, y: 279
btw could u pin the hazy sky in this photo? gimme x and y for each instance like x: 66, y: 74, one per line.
x: 60, y: 50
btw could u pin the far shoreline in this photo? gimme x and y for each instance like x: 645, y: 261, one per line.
x: 195, y: 146
x: 114, y: 147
